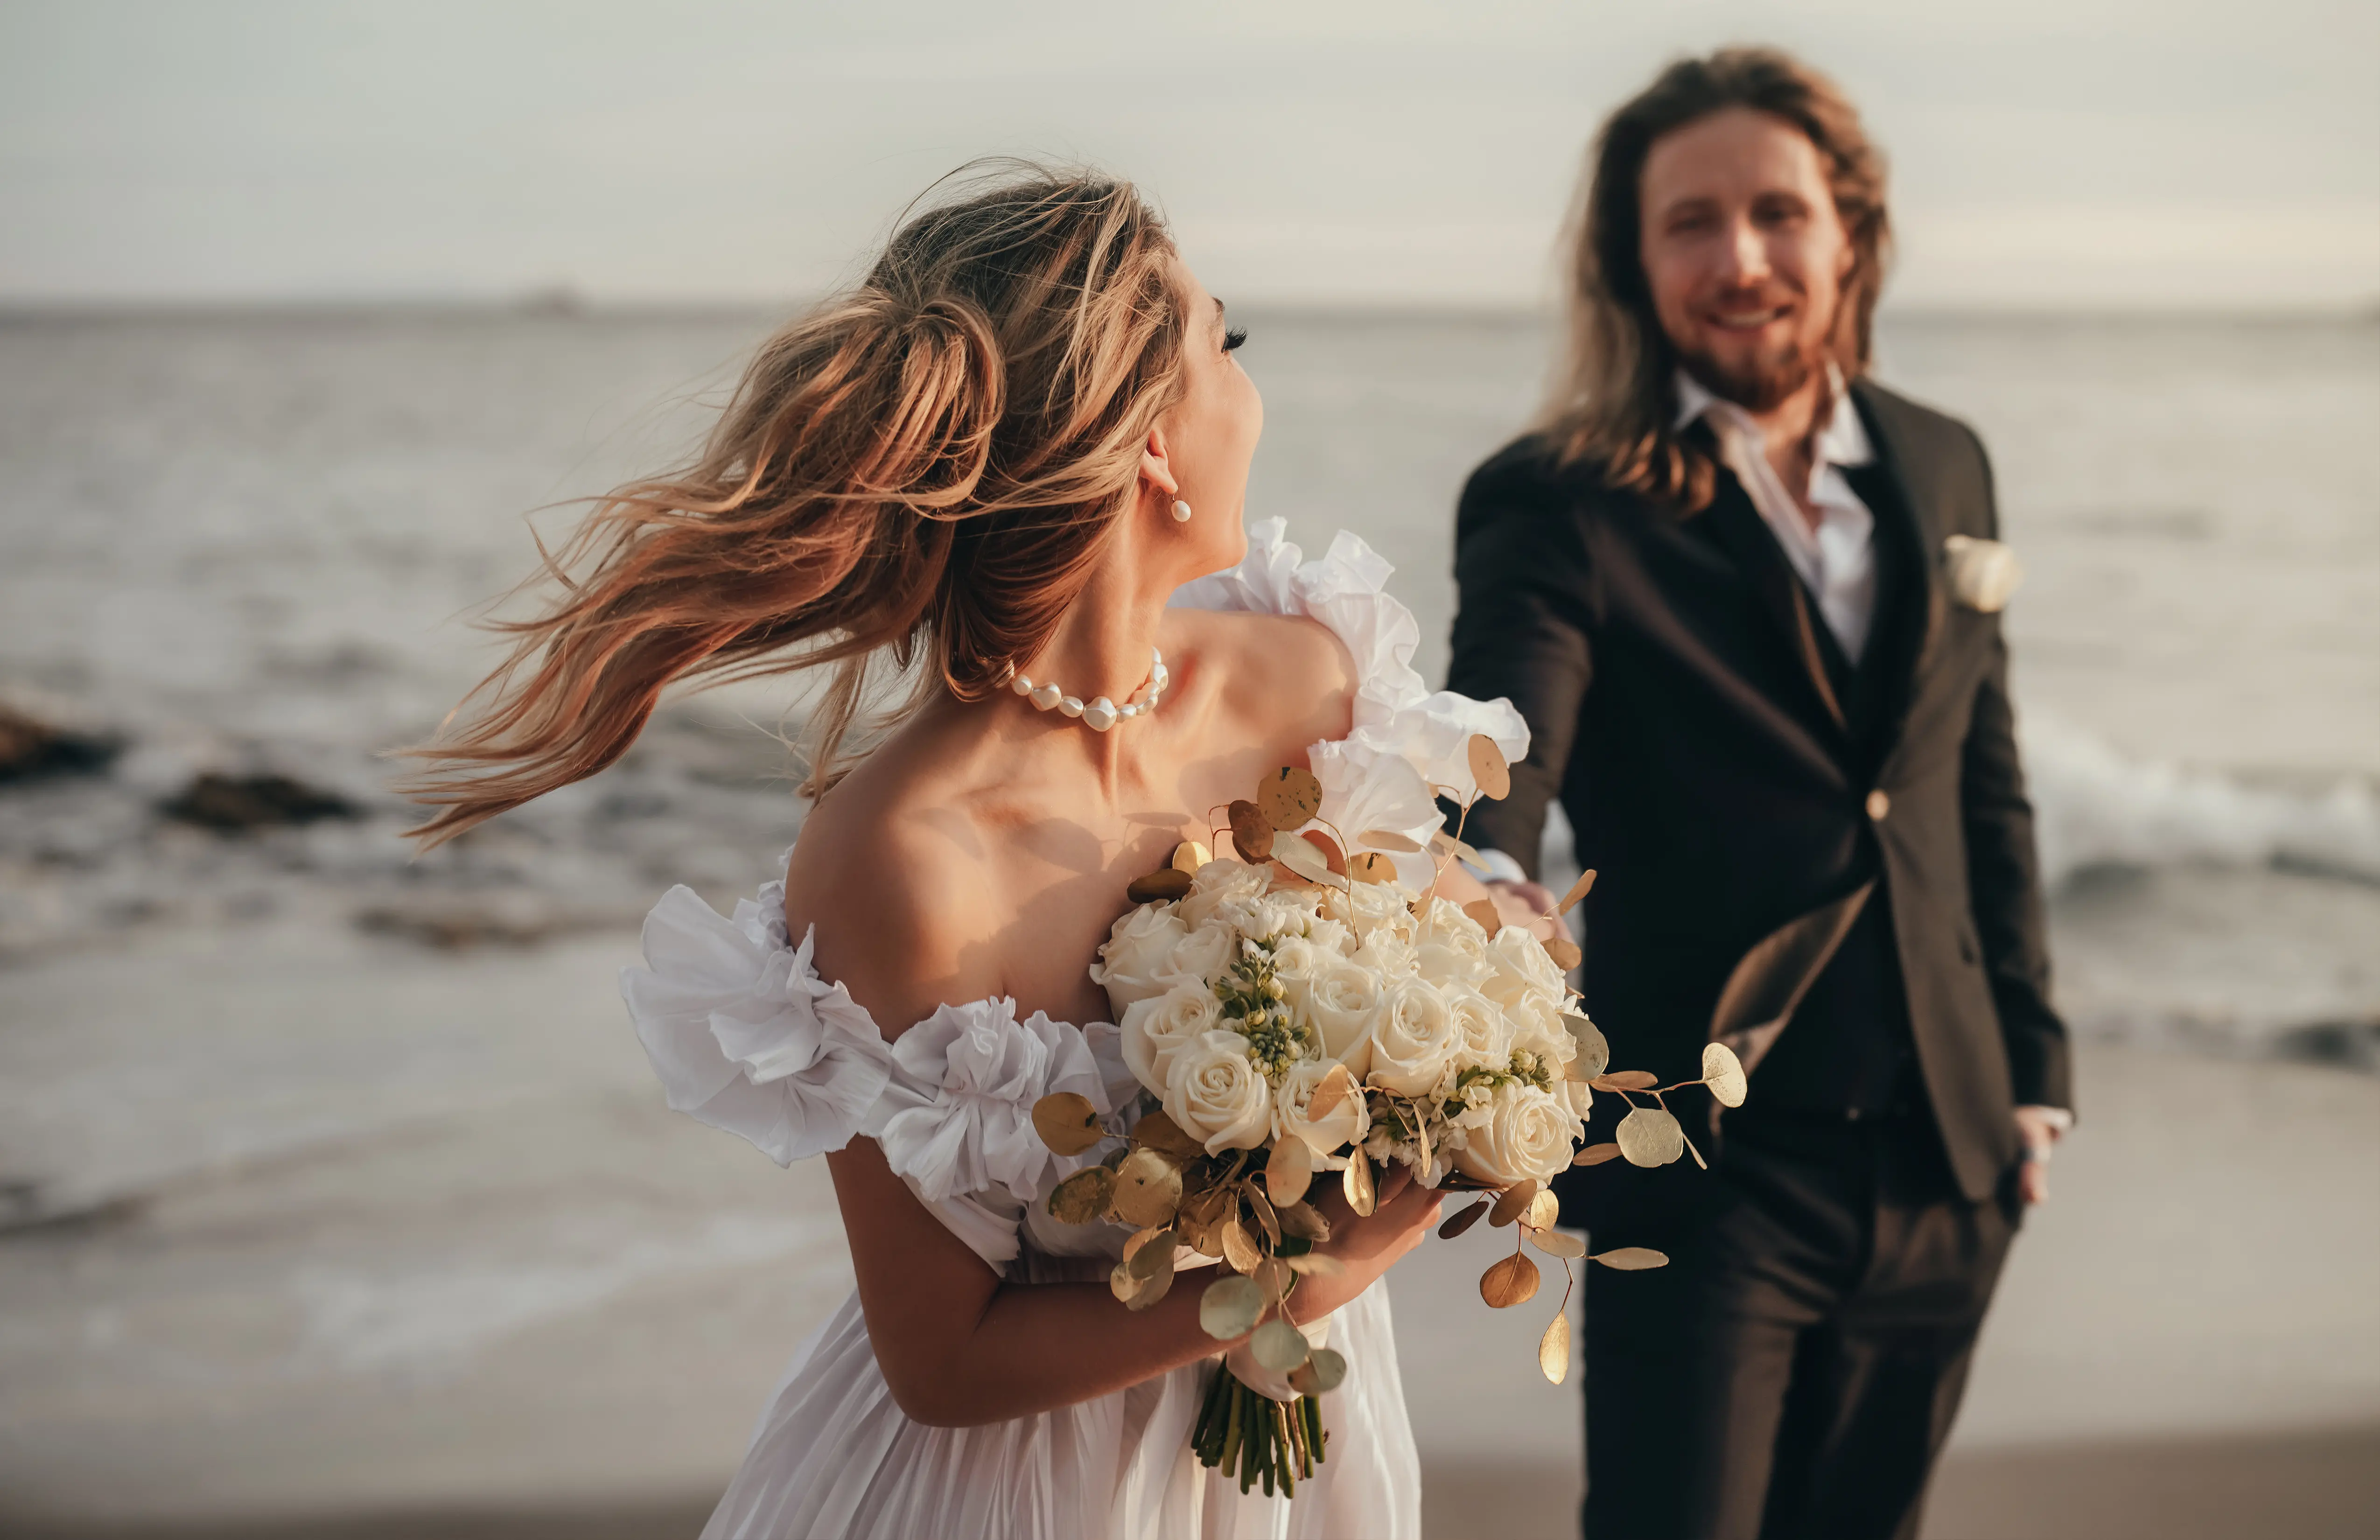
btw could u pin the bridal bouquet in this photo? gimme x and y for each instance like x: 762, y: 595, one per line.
x: 1301, y: 1013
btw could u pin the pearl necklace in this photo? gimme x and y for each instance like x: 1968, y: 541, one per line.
x: 1099, y: 713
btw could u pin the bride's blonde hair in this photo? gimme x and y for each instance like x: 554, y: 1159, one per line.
x: 926, y: 463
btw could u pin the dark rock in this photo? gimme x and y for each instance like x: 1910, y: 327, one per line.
x: 235, y: 804
x: 30, y: 749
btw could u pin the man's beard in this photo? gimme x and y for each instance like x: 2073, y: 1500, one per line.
x: 1762, y: 385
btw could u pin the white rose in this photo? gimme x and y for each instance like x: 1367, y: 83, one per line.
x: 1385, y: 953
x: 1444, y: 920
x: 1522, y: 970
x: 1481, y: 1029
x: 1214, y: 1094
x: 1200, y: 957
x: 1537, y: 1028
x: 1218, y: 882
x: 1139, y: 946
x: 1264, y: 918
x: 1155, y: 1030
x: 1347, y: 1124
x: 1331, y: 937
x: 1342, y: 1001
x: 1527, y: 1135
x: 1416, y: 1039
x: 1444, y: 960
x: 1375, y: 905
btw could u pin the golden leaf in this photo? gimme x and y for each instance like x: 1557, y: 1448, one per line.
x: 1273, y: 1276
x: 1543, y: 1210
x: 1372, y: 866
x: 1512, y: 1281
x: 1336, y: 1082
x: 1289, y: 797
x: 1513, y: 1203
x: 1189, y: 856
x: 1164, y: 883
x: 1083, y: 1196
x: 1122, y: 1285
x: 1279, y: 1346
x: 1150, y: 1252
x: 1389, y: 839
x: 1630, y: 1259
x: 1596, y: 1154
x: 1483, y: 915
x: 1305, y: 1221
x: 1068, y: 1122
x: 1594, y: 1050
x: 1156, y: 1288
x: 1463, y: 1219
x: 1558, y: 1243
x: 1300, y: 855
x: 1322, y: 1373
x: 1231, y: 1307
x: 1157, y: 1131
x: 1200, y: 1219
x: 1266, y: 1219
x: 1356, y: 1181
x: 1578, y: 891
x: 1723, y: 1073
x: 1239, y: 1251
x: 1488, y: 767
x: 1251, y: 836
x: 1553, y: 1351
x: 1696, y: 1152
x: 1444, y: 843
x: 1563, y: 950
x: 1625, y: 1080
x: 1651, y: 1138
x: 1289, y: 1171
x: 1148, y: 1189
x: 1316, y: 1264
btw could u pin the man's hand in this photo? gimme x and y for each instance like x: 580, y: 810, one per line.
x: 2040, y: 1127
x: 1524, y: 903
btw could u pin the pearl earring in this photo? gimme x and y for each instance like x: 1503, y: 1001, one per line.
x: 1181, y: 512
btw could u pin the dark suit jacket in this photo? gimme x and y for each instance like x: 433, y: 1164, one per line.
x: 1722, y: 781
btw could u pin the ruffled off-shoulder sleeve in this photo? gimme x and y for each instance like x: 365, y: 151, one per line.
x: 1407, y: 741
x: 746, y: 1035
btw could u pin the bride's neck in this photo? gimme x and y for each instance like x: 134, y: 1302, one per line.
x: 1103, y: 643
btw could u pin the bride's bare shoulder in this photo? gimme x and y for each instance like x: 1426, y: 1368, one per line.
x: 1285, y: 673
x: 892, y: 877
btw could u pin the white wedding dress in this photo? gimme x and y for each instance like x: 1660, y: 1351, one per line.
x: 746, y: 1036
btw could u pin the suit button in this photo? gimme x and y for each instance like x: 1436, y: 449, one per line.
x: 1878, y: 804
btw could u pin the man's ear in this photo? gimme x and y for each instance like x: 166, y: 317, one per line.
x: 1157, y: 464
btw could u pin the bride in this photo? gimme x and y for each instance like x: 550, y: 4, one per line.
x: 1011, y: 463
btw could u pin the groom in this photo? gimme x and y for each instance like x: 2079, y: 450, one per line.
x: 1748, y: 602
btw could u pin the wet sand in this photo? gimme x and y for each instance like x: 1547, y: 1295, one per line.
x: 508, y: 1296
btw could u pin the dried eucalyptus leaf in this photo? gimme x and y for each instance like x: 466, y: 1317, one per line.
x: 1596, y: 1154
x: 1322, y: 1373
x: 1251, y: 836
x: 1159, y: 1132
x: 1261, y: 1206
x: 1578, y: 891
x: 1444, y: 843
x: 1300, y: 855
x: 1512, y: 1281
x: 1630, y: 1259
x: 1158, y: 887
x: 1303, y: 1221
x: 1122, y: 1285
x: 1279, y: 1346
x: 1239, y: 1250
x: 1372, y: 866
x: 1563, y: 950
x: 1189, y: 856
x: 1488, y: 767
x: 1289, y: 1171
x: 1594, y: 1050
x: 1513, y: 1203
x: 1336, y: 1084
x: 1150, y: 1252
x: 1389, y: 839
x: 1558, y: 1243
x: 1289, y: 797
x: 1148, y: 1189
x: 1356, y: 1182
x: 1723, y: 1073
x: 1231, y: 1307
x: 1314, y: 1263
x: 1068, y: 1122
x: 1463, y: 1219
x: 1083, y: 1196
x: 1625, y: 1080
x: 1553, y: 1351
x: 1649, y: 1136
x: 1273, y: 1275
x: 1483, y: 915
x: 1155, y: 1288
x: 1543, y: 1210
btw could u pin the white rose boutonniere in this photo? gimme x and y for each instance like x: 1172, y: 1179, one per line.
x: 1982, y: 575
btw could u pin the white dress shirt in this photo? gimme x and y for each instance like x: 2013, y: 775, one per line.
x: 1836, y: 561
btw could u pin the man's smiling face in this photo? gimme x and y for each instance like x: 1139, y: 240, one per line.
x: 1743, y: 253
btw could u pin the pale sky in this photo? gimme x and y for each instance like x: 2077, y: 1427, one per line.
x: 2142, y: 153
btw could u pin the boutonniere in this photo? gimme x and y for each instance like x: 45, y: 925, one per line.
x: 1983, y: 574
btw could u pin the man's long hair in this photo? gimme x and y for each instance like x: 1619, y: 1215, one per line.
x: 1613, y: 405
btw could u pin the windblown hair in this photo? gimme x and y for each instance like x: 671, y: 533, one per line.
x: 1612, y: 406
x: 925, y: 465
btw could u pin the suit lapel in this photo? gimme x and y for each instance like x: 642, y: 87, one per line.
x: 1737, y: 525
x: 1907, y: 545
